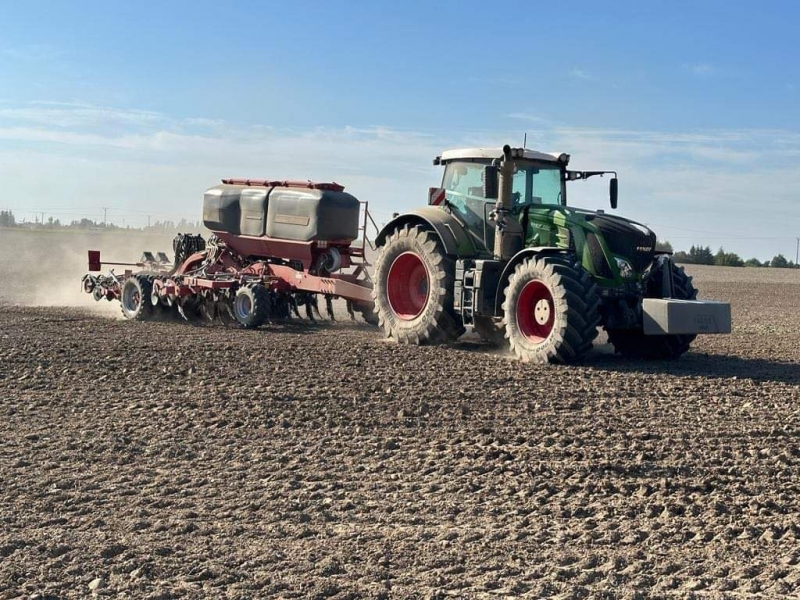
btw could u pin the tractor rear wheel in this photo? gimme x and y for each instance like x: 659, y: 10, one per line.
x: 633, y: 343
x: 251, y: 305
x: 135, y: 298
x: 414, y: 288
x: 550, y: 310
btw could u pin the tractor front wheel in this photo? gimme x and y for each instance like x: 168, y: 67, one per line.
x: 414, y: 288
x: 550, y: 310
x: 633, y: 343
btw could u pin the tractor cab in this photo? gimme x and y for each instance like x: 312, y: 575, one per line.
x: 470, y: 186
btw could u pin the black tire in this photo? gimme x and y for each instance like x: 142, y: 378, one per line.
x: 417, y: 309
x: 490, y: 330
x: 135, y: 298
x: 633, y: 343
x: 551, y: 310
x: 367, y: 312
x: 281, y: 308
x: 251, y: 305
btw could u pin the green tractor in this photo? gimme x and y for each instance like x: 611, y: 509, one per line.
x: 499, y: 251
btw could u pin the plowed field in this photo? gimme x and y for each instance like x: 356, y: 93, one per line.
x: 164, y: 460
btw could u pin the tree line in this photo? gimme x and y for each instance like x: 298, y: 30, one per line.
x: 7, y: 219
x: 703, y: 255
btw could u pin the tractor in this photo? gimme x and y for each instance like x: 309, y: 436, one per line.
x: 499, y: 251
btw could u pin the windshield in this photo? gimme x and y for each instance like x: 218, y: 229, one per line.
x: 536, y: 184
x: 533, y: 184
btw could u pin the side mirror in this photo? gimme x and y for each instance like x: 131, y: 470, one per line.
x: 613, y: 192
x: 490, y: 181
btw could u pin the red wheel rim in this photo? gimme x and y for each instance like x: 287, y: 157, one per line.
x: 407, y: 286
x: 535, y: 312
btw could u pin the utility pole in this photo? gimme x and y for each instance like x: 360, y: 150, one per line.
x: 797, y: 252
x: 105, y: 215
x: 148, y: 221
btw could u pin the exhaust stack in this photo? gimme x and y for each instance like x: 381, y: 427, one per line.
x: 508, y: 236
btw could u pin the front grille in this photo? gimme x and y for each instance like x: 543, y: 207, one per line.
x: 628, y: 240
x: 599, y: 261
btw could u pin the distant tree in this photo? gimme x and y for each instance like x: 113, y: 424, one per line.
x: 779, y: 262
x: 699, y: 255
x: 753, y: 262
x: 681, y: 257
x: 727, y: 259
x: 663, y: 246
x: 83, y: 224
x: 7, y: 219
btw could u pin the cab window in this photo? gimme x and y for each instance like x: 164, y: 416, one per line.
x: 464, y: 180
x: 463, y: 185
x: 536, y: 184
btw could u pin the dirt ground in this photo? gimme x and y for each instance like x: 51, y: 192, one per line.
x: 164, y: 460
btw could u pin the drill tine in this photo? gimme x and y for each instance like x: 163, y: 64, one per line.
x: 329, y: 307
x: 350, y: 311
x: 309, y: 311
x: 315, y: 305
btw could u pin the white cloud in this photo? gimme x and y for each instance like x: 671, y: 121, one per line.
x: 741, y: 183
x: 701, y: 68
x: 32, y: 52
x: 521, y: 116
x: 579, y: 74
x: 75, y: 115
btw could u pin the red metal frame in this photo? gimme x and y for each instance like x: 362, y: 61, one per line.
x: 333, y: 186
x: 281, y: 265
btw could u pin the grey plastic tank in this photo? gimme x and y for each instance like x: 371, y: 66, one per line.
x: 253, y: 206
x: 289, y: 213
x: 306, y: 215
x: 221, y: 210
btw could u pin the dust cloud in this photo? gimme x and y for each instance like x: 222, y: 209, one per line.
x: 44, y: 268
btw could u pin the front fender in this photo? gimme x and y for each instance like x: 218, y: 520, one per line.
x: 456, y: 241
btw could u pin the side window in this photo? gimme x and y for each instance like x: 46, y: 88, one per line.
x: 464, y: 179
x: 519, y: 191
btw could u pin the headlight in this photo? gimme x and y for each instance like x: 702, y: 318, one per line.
x: 625, y: 268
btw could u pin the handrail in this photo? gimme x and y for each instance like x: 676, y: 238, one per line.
x: 367, y: 219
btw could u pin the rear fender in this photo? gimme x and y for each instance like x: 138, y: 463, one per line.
x: 455, y: 239
x: 512, y: 264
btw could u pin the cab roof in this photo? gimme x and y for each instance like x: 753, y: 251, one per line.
x: 468, y: 153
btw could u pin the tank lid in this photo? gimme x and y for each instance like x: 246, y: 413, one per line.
x: 332, y: 187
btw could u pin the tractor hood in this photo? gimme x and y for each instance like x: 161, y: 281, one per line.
x: 623, y: 237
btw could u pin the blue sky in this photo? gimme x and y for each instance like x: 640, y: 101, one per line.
x: 140, y: 107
